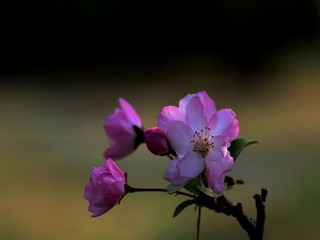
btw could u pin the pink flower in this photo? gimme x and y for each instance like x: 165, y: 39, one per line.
x: 106, y: 188
x: 124, y: 131
x: 200, y: 135
x: 156, y: 141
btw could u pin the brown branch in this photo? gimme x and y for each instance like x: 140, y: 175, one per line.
x: 222, y: 205
x: 261, y: 213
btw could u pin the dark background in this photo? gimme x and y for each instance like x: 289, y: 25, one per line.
x: 244, y: 35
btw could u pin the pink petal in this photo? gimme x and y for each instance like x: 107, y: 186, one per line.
x: 173, y: 176
x: 220, y: 148
x: 115, y: 171
x: 191, y: 165
x: 179, y: 136
x: 97, y: 211
x: 194, y: 114
x: 185, y: 101
x: 120, y: 149
x: 209, y: 108
x: 224, y: 122
x: 88, y: 192
x: 119, y: 135
x: 117, y: 122
x: 130, y: 113
x: 167, y: 115
x: 215, y: 172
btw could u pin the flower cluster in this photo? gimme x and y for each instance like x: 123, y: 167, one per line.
x: 200, y: 141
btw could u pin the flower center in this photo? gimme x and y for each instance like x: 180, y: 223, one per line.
x: 202, y: 141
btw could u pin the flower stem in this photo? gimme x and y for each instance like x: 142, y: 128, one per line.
x: 130, y: 189
x: 198, y: 222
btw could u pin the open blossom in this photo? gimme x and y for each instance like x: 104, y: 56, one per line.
x: 105, y: 189
x: 124, y: 131
x: 200, y: 135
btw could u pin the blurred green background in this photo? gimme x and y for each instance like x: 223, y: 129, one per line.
x: 54, y: 101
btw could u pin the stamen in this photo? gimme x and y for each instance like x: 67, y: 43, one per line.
x: 202, y: 141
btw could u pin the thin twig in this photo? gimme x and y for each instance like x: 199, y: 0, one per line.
x: 198, y: 222
x: 130, y: 189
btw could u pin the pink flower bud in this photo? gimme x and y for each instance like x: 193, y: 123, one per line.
x: 156, y: 141
x: 106, y: 188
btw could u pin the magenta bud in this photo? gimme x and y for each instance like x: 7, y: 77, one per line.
x: 156, y: 141
x: 105, y: 189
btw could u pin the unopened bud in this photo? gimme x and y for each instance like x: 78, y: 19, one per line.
x: 156, y: 141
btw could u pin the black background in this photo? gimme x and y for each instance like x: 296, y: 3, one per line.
x: 41, y: 36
